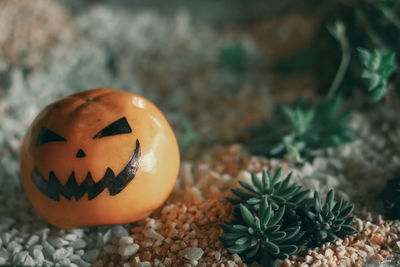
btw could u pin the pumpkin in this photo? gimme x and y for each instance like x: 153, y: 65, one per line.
x: 99, y: 157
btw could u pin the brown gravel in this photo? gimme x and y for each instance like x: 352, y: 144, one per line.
x: 189, y: 222
x: 377, y: 239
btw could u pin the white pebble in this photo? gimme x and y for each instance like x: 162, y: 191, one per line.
x: 29, y: 261
x: 32, y: 241
x: 77, y: 244
x: 107, y: 236
x: 65, y: 262
x: 127, y: 251
x: 12, y: 246
x: 81, y: 263
x: 20, y: 257
x: 57, y: 242
x: 47, y: 249
x: 71, y: 237
x: 38, y: 254
x: 60, y: 254
x: 125, y: 240
x: 6, y: 237
x: 192, y: 253
x: 119, y: 231
x: 150, y: 233
x: 143, y: 264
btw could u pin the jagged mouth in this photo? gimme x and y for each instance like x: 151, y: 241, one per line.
x: 53, y: 188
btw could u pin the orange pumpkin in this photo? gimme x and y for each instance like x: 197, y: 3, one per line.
x: 99, y: 157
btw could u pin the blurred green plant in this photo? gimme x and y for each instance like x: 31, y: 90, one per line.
x: 373, y: 24
x: 233, y: 57
x: 303, y: 126
x: 189, y: 138
x: 376, y: 72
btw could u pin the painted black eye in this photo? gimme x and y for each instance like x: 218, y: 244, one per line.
x: 120, y: 126
x: 46, y: 136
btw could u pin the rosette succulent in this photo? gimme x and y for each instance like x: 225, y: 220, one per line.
x: 260, y: 237
x: 327, y: 222
x: 271, y: 188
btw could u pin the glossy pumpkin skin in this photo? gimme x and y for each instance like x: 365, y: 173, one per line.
x: 78, y: 118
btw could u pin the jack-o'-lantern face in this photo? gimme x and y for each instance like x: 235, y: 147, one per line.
x: 53, y: 188
x: 99, y: 157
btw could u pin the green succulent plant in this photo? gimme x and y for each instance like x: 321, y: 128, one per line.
x: 271, y: 188
x: 302, y: 127
x: 377, y: 70
x: 327, y: 222
x: 260, y: 237
x: 391, y: 198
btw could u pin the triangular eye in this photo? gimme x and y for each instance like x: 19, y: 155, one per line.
x: 46, y: 135
x: 120, y: 126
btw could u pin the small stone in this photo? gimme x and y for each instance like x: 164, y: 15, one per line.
x: 4, y: 254
x: 65, y: 262
x: 78, y: 232
x: 29, y: 261
x: 60, y: 254
x: 5, y: 237
x: 107, y: 236
x: 57, y: 242
x: 217, y: 255
x: 12, y: 246
x: 192, y: 253
x: 38, y: 254
x: 125, y: 240
x: 150, y: 233
x: 48, y: 249
x: 143, y: 264
x: 91, y: 255
x: 21, y: 257
x: 70, y: 237
x: 127, y: 251
x: 79, y: 243
x: 236, y: 258
x: 32, y: 241
x: 80, y: 262
x: 119, y: 231
x: 79, y: 252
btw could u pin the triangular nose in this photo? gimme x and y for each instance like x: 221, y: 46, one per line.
x: 80, y: 154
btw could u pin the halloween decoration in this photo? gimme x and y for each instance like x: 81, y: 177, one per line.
x: 99, y: 157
